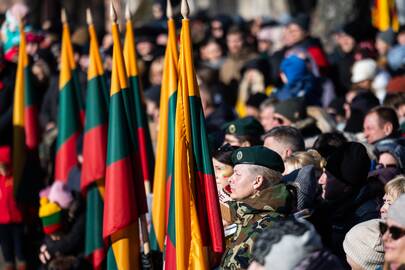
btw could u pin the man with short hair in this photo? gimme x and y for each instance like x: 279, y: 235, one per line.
x: 267, y: 113
x: 284, y: 141
x: 260, y: 198
x: 379, y: 124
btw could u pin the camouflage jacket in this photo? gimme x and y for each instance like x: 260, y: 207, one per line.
x: 252, y: 216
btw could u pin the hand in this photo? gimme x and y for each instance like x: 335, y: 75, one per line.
x: 44, y: 255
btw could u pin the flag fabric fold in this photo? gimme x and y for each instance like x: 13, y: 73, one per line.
x: 147, y: 159
x: 71, y: 114
x: 121, y: 205
x: 25, y: 115
x: 94, y: 153
x: 385, y: 15
x: 195, y: 218
x: 165, y: 143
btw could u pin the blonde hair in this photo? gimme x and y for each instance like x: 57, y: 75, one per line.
x: 396, y: 186
x: 299, y: 159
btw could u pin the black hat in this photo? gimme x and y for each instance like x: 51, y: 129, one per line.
x: 302, y: 20
x: 293, y: 109
x: 153, y: 94
x: 256, y: 100
x: 258, y: 155
x: 349, y: 163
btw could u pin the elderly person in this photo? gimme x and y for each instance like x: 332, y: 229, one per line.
x: 259, y: 199
x: 393, y: 233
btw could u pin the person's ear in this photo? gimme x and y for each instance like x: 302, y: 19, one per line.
x: 388, y: 128
x: 258, y: 182
x: 288, y: 152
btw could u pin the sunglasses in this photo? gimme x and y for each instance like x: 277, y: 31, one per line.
x: 395, y: 232
x: 380, y: 166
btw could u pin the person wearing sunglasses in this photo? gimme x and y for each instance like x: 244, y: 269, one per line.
x: 393, y: 235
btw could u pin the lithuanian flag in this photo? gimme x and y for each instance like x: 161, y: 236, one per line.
x: 194, y: 222
x: 70, y: 116
x: 120, y: 221
x: 147, y: 159
x: 25, y: 115
x: 94, y: 151
x: 384, y: 15
x: 165, y: 143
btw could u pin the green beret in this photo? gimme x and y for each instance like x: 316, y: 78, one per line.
x: 258, y: 155
x: 244, y: 126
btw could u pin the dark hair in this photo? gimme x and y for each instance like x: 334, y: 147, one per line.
x: 394, y: 100
x: 287, y: 135
x: 386, y: 115
x: 268, y: 238
x: 252, y: 139
x: 224, y: 154
x: 326, y: 143
x: 234, y: 29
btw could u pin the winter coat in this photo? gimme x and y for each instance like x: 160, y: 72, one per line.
x: 320, y: 260
x: 252, y: 216
x: 7, y: 78
x: 333, y: 219
x: 9, y: 210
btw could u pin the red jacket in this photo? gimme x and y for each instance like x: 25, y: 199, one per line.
x: 9, y: 211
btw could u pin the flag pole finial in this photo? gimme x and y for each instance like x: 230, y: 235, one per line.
x: 127, y: 12
x: 185, y: 10
x: 113, y: 13
x: 169, y: 10
x: 89, y: 18
x: 63, y: 16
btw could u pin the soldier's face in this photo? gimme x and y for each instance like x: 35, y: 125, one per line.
x: 242, y: 182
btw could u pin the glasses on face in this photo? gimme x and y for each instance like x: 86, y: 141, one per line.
x: 395, y: 232
x: 380, y: 166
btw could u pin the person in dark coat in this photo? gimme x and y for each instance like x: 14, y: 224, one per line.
x: 299, y: 240
x: 347, y: 197
x: 7, y: 79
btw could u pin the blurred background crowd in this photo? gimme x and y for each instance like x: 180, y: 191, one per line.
x: 319, y: 82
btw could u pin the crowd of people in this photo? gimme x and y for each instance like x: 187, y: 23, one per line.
x: 308, y: 146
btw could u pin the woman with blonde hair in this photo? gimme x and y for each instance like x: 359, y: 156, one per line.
x: 299, y: 159
x: 393, y: 189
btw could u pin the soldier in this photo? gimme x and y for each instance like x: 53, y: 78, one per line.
x: 244, y: 132
x: 259, y: 199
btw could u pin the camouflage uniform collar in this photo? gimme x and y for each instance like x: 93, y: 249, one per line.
x: 269, y: 200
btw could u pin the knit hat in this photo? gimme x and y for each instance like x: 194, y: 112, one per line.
x: 302, y: 20
x: 293, y: 109
x: 363, y: 70
x: 5, y: 154
x: 396, y: 58
x: 387, y: 36
x: 349, y: 163
x: 296, y: 238
x: 396, y: 211
x: 393, y: 147
x: 363, y: 244
x: 60, y: 194
x: 50, y: 214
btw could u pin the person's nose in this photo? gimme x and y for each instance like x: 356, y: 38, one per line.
x: 322, y: 179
